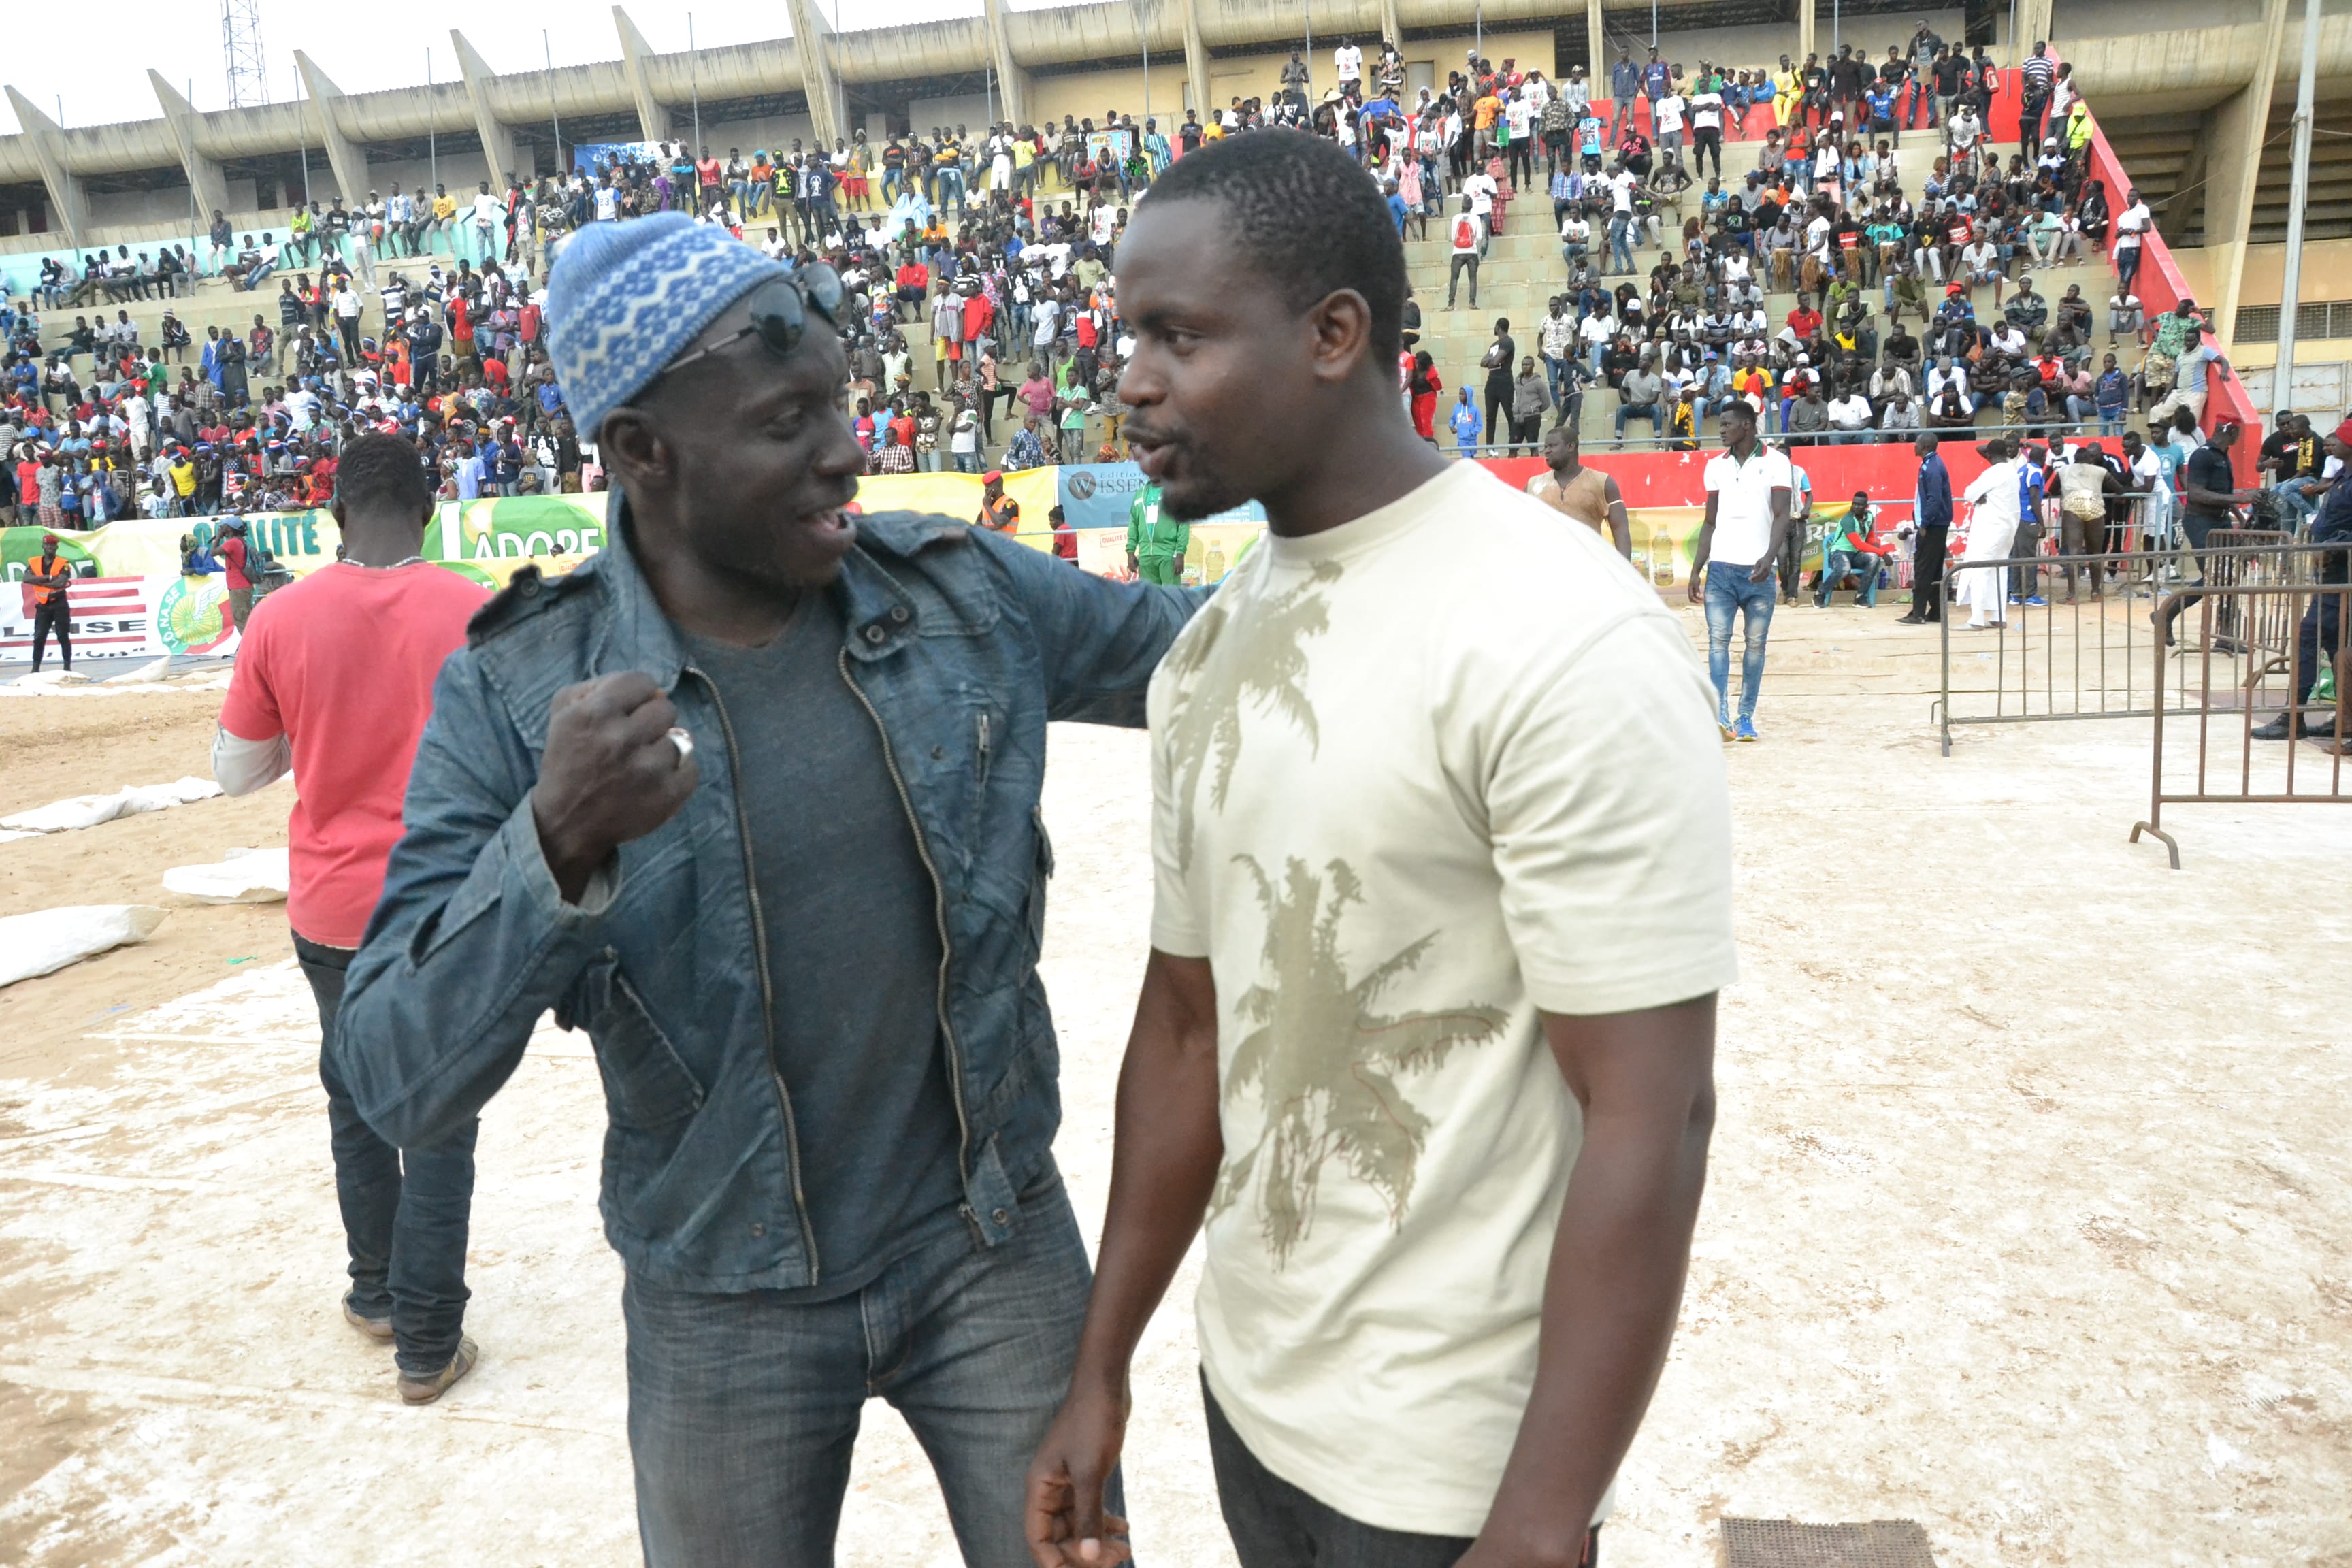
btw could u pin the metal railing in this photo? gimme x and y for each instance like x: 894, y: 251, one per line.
x: 2268, y: 768
x: 2101, y: 654
x: 1798, y: 440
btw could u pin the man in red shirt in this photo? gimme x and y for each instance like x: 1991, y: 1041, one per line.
x: 234, y: 573
x: 334, y: 682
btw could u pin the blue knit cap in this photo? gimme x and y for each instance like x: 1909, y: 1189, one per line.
x: 625, y: 299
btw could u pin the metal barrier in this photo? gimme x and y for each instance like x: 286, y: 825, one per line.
x: 2102, y: 656
x: 2263, y: 775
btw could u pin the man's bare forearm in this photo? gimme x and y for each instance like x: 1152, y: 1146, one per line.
x: 1610, y: 1300
x: 1164, y: 1162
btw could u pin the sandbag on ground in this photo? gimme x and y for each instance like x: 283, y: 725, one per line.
x: 89, y: 810
x: 241, y: 877
x: 46, y: 942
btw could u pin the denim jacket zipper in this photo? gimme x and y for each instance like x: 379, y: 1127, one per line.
x: 767, y: 988
x: 939, y: 913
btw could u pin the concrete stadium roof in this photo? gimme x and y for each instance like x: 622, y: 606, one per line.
x: 2182, y: 69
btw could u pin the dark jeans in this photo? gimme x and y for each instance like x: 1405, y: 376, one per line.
x: 1928, y: 571
x: 1275, y: 1525
x: 743, y: 1408
x: 1462, y: 259
x: 52, y: 617
x: 1841, y: 564
x: 405, y: 1210
x: 2318, y: 639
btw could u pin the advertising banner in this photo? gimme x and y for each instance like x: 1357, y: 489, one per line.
x: 127, y: 619
x: 595, y: 157
x: 1097, y: 495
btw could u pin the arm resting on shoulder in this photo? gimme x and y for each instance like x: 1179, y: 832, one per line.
x: 1099, y: 640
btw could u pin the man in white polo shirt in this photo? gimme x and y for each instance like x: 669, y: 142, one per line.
x: 1747, y: 487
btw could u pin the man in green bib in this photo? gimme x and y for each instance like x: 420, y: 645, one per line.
x: 1155, y: 545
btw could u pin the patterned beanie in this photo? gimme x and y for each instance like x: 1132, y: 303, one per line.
x: 625, y: 299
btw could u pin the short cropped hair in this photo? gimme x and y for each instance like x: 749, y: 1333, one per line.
x: 377, y: 469
x: 1307, y: 218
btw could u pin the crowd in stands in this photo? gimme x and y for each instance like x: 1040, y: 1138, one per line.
x: 997, y: 249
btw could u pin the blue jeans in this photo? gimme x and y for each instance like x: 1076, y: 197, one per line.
x: 2291, y: 492
x: 1621, y: 253
x: 405, y: 1211
x: 1864, y: 570
x: 1556, y: 377
x: 743, y: 1408
x: 1730, y: 592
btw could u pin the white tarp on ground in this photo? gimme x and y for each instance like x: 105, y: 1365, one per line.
x: 47, y: 941
x: 89, y: 810
x: 241, y: 877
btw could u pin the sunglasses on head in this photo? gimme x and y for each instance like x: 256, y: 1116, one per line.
x: 780, y: 308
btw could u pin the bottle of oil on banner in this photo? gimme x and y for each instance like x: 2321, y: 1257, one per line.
x: 1215, y: 568
x: 1662, y: 558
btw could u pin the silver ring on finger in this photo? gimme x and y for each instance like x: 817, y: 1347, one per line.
x: 683, y: 739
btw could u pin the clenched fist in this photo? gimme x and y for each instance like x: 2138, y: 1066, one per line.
x: 610, y: 773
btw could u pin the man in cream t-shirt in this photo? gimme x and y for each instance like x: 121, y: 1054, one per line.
x: 1442, y: 854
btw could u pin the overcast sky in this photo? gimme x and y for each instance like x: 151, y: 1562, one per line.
x: 361, y: 52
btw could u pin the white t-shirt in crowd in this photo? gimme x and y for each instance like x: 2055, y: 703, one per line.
x: 1518, y: 805
x: 1743, y: 506
x: 1668, y: 112
x: 1480, y: 189
x: 1347, y: 60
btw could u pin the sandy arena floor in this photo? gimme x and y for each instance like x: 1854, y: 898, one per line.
x: 2031, y: 1217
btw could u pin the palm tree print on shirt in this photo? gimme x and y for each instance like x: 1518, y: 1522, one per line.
x: 1266, y: 665
x: 1326, y: 1064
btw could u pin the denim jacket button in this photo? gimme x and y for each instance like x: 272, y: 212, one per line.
x: 898, y: 613
x: 937, y: 752
x: 1000, y: 1217
x: 875, y: 634
x: 759, y: 1230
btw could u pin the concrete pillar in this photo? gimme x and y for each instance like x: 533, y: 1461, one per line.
x: 1596, y: 49
x: 1805, y: 30
x: 1196, y: 62
x: 2237, y: 129
x: 813, y: 42
x: 2032, y: 28
x: 1011, y: 80
x: 498, y: 141
x: 48, y: 144
x: 343, y: 156
x: 204, y: 174
x: 1392, y: 30
x: 653, y: 119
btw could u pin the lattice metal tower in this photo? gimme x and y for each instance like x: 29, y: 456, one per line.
x: 248, y: 74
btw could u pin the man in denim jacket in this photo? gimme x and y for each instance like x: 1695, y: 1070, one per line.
x: 752, y: 797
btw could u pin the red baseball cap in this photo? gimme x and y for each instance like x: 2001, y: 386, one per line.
x: 994, y: 476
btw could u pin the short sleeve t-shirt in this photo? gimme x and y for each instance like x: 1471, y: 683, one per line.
x: 342, y: 662
x: 852, y: 945
x: 2208, y: 468
x: 1518, y: 807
